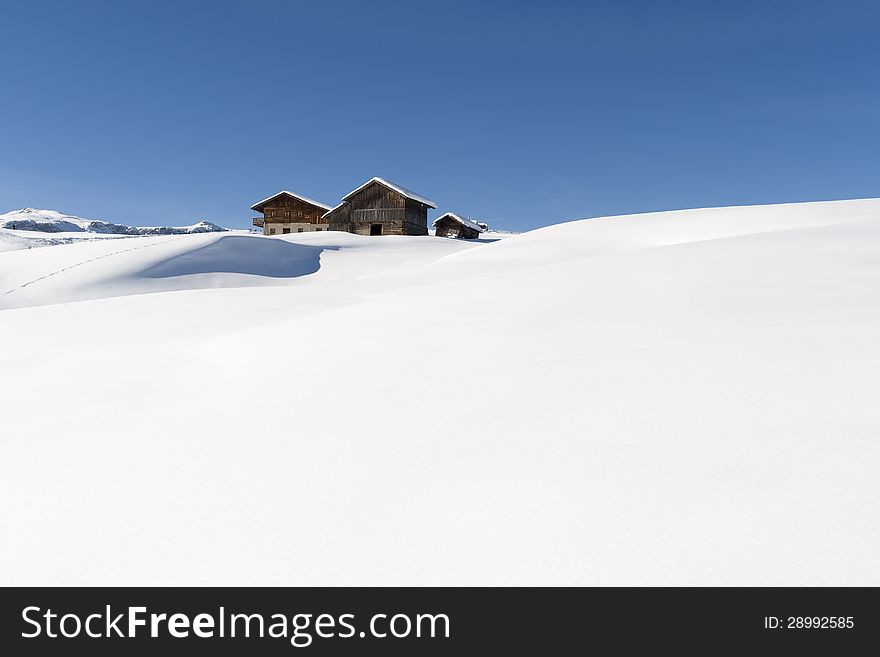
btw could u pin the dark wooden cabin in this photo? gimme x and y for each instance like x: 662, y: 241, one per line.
x: 286, y: 212
x: 379, y: 207
x: 452, y: 225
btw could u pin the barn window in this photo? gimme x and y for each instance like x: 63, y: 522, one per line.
x: 299, y: 230
x: 285, y: 230
x: 375, y: 229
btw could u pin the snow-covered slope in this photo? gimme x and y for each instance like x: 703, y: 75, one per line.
x: 51, y: 221
x: 678, y: 398
x: 99, y: 269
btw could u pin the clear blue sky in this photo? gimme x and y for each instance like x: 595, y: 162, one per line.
x: 520, y: 113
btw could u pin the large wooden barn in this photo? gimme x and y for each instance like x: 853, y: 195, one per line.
x: 286, y: 212
x: 452, y: 225
x: 379, y: 207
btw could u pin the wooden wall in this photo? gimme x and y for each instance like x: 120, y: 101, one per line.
x: 339, y: 219
x: 377, y: 204
x: 448, y: 227
x: 287, y: 209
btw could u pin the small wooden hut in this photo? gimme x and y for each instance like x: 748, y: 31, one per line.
x: 380, y: 207
x: 286, y: 212
x: 452, y: 225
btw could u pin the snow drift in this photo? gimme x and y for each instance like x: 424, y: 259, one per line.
x: 678, y: 398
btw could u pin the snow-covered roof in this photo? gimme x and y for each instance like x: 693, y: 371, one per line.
x: 333, y: 209
x: 397, y: 188
x: 463, y: 222
x: 304, y: 199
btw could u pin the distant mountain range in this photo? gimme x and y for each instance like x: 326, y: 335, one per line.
x: 51, y: 221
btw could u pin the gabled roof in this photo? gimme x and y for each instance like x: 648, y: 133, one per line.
x: 463, y: 222
x: 305, y: 199
x: 332, y: 210
x: 397, y: 188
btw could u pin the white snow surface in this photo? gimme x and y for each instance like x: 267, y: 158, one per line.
x: 674, y: 398
x: 13, y: 240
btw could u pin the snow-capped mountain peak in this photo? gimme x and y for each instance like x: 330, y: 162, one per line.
x: 52, y: 221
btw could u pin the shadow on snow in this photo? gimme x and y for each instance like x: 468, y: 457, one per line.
x: 243, y: 255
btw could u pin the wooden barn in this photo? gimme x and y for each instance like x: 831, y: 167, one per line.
x: 452, y: 225
x: 286, y: 212
x: 379, y: 207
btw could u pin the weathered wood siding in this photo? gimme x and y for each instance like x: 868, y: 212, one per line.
x: 377, y: 204
x: 286, y: 209
x: 339, y: 219
x: 288, y: 214
x: 416, y: 218
x: 448, y: 227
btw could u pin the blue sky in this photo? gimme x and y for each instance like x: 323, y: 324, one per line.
x: 520, y: 113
